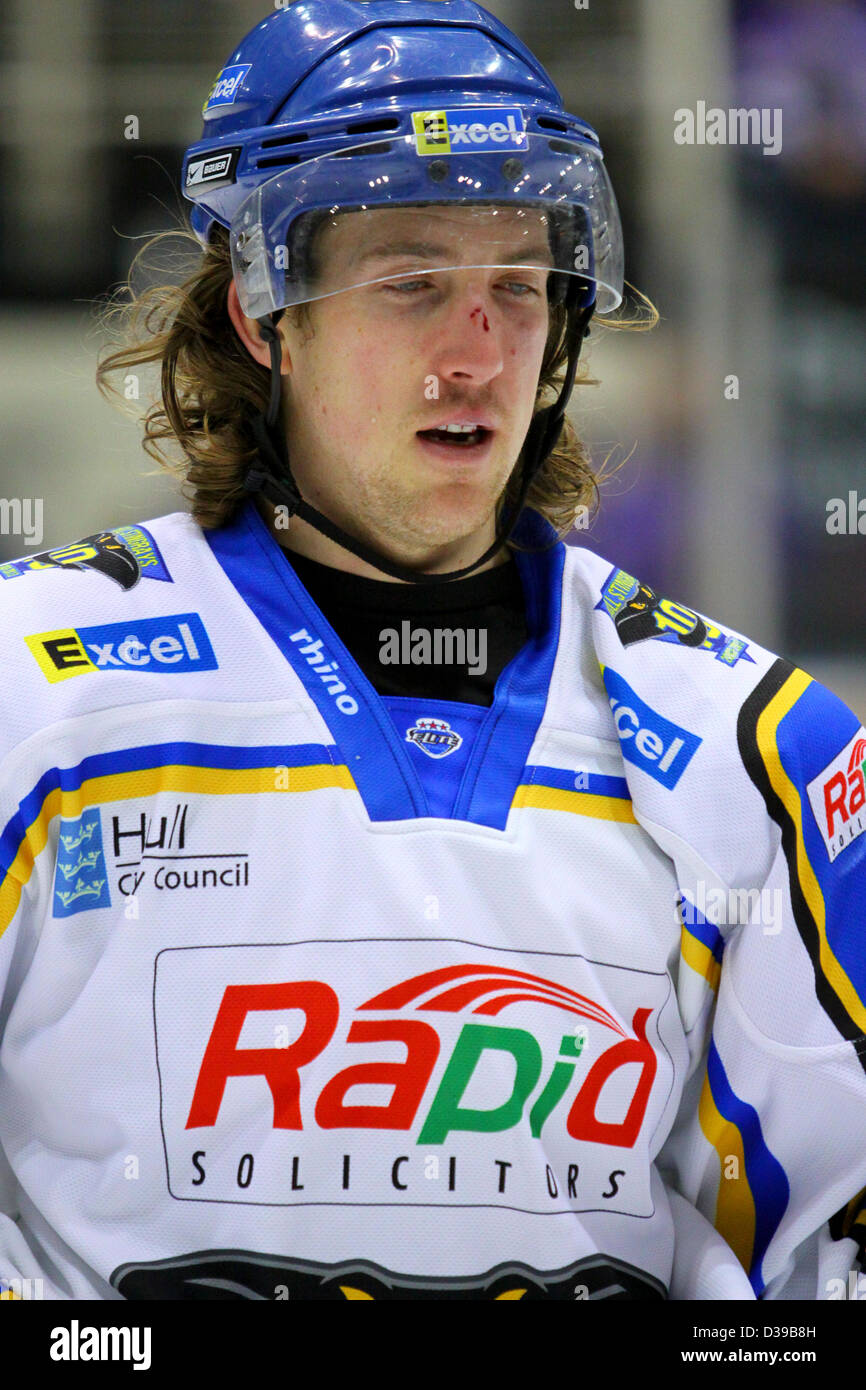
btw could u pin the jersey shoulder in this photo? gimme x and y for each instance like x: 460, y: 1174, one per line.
x: 103, y: 570
x: 724, y: 742
x: 128, y: 598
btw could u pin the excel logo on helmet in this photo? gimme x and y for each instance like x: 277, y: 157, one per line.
x: 474, y: 128
x: 226, y: 86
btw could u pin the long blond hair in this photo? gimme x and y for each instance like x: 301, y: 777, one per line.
x: 210, y: 387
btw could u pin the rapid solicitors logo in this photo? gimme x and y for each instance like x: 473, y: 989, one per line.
x: 543, y: 1098
x: 838, y: 796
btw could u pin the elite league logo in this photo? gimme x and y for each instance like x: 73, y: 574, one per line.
x: 435, y: 737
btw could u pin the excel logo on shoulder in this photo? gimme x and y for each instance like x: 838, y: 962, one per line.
x: 475, y: 129
x: 177, y: 642
x: 662, y: 748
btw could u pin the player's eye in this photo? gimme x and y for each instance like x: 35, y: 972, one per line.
x: 407, y: 286
x: 518, y: 289
x: 522, y: 285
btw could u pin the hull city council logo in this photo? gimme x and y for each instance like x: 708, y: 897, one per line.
x: 81, y: 877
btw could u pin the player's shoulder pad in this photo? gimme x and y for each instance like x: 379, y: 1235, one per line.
x: 125, y: 594
x: 724, y: 742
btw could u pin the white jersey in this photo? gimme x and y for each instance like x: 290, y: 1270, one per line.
x: 311, y: 993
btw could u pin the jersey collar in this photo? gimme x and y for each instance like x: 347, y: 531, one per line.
x: 363, y: 731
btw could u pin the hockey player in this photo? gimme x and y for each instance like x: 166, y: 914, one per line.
x: 397, y: 902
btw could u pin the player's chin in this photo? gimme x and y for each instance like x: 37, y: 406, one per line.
x: 480, y: 470
x: 454, y: 514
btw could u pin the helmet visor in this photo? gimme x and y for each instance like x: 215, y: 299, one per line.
x: 548, y: 208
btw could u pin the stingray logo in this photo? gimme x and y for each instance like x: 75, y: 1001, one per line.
x: 243, y: 1274
x: 125, y: 555
x: 435, y: 737
x: 639, y: 613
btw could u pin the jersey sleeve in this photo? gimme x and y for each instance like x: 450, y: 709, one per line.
x: 24, y: 1272
x: 770, y: 1138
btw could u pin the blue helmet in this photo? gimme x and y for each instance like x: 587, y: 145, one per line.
x: 350, y: 107
x: 329, y: 106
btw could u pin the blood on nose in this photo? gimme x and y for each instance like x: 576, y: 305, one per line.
x: 484, y: 317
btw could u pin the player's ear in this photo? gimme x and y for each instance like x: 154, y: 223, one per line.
x: 248, y: 331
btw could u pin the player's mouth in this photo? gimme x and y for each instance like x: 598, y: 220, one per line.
x: 467, y: 439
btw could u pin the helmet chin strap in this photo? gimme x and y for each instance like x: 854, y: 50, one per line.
x: 271, y: 473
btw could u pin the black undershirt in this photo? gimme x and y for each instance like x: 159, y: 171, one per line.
x: 361, y: 611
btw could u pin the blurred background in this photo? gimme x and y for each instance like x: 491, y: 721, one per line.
x: 742, y: 411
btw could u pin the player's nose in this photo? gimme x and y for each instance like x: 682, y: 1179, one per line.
x: 473, y: 338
